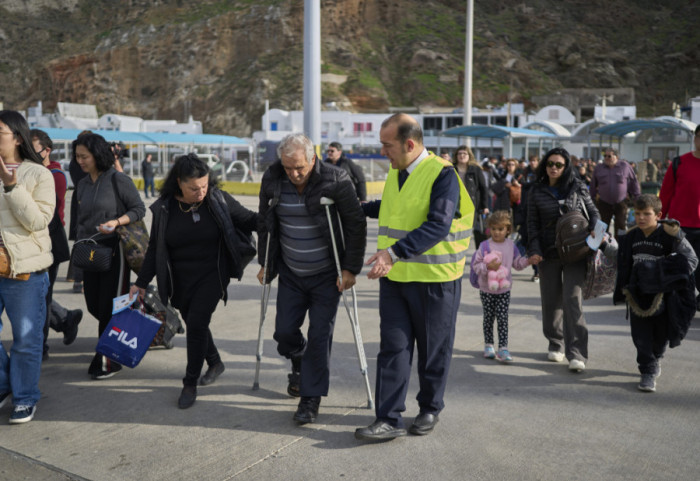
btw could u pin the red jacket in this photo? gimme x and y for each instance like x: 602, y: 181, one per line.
x: 59, y: 179
x: 680, y: 192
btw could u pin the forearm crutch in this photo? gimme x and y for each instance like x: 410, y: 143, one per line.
x: 354, y: 322
x: 264, y: 298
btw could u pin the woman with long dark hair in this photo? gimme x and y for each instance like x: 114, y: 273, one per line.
x: 556, y: 191
x: 193, y: 254
x: 26, y: 209
x: 100, y: 195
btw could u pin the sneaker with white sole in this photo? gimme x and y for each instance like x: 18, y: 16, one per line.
x: 489, y: 352
x: 576, y: 365
x: 647, y: 383
x: 504, y: 356
x: 555, y: 356
x: 22, y: 414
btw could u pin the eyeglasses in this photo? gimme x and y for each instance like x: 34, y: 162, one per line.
x: 608, y: 156
x: 558, y: 165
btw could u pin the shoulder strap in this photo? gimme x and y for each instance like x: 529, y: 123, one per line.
x: 121, y: 208
x: 59, y: 171
x: 674, y: 164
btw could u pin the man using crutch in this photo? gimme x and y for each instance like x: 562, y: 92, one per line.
x: 425, y: 219
x: 301, y: 252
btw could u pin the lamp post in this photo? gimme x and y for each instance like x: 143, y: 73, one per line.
x: 468, y: 61
x: 312, y: 71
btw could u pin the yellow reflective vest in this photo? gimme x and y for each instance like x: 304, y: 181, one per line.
x: 405, y: 210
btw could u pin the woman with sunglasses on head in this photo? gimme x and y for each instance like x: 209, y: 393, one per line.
x: 27, y: 202
x: 555, y: 191
x: 193, y: 254
x: 99, y: 211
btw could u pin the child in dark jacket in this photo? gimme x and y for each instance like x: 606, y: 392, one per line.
x: 655, y: 266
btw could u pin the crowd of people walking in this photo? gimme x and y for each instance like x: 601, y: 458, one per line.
x: 312, y: 236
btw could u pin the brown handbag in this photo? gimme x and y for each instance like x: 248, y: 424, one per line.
x: 5, y: 270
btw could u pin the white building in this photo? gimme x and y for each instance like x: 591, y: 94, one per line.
x: 84, y: 117
x: 67, y: 116
x: 359, y: 132
x: 119, y: 122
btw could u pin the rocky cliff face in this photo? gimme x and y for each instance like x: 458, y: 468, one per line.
x: 220, y: 60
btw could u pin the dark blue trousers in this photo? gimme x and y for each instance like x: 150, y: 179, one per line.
x: 420, y: 313
x: 317, y: 294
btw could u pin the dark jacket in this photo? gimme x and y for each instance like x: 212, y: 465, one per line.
x: 474, y: 182
x: 326, y: 180
x: 543, y: 211
x: 76, y: 175
x: 226, y: 211
x: 98, y: 203
x: 662, y: 286
x: 354, y: 171
x: 147, y: 169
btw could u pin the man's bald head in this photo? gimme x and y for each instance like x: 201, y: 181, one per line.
x: 406, y: 128
x: 402, y: 140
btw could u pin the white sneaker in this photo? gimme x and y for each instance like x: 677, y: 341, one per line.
x: 576, y: 365
x: 555, y: 356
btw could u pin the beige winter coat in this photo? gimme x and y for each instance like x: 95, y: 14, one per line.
x: 25, y: 213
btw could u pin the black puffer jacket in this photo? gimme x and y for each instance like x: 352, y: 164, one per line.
x: 543, y: 211
x: 226, y: 211
x: 357, y: 177
x: 474, y: 182
x: 325, y: 181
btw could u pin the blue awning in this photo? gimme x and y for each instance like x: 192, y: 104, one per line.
x: 620, y: 129
x: 58, y: 135
x: 494, y: 132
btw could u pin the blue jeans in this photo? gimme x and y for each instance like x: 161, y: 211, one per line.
x: 25, y: 304
x: 149, y: 182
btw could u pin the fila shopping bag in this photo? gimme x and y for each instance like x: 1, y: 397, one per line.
x: 127, y: 337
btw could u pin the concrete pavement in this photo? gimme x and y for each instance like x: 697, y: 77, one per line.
x: 532, y: 420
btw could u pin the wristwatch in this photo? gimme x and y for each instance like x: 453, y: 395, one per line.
x: 392, y: 254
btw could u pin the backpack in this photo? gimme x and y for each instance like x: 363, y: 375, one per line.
x: 473, y: 276
x: 570, y: 234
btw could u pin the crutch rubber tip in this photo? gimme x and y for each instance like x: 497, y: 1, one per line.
x: 370, y: 405
x: 256, y: 386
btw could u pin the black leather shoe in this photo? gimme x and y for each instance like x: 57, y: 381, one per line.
x: 307, y: 410
x: 423, y: 424
x: 70, y: 326
x: 187, y: 397
x: 379, y: 431
x: 294, y: 377
x: 212, y: 373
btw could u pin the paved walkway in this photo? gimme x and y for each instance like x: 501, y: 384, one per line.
x: 532, y: 420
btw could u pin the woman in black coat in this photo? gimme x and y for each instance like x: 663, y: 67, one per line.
x: 193, y: 252
x: 552, y: 194
x: 472, y: 177
x: 106, y: 200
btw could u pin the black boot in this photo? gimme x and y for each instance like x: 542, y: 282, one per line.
x: 294, y: 377
x: 187, y: 397
x: 70, y: 326
x: 307, y: 410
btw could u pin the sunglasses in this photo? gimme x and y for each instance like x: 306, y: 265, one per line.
x: 608, y: 156
x: 558, y: 165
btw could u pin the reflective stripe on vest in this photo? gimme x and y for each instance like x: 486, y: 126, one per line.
x: 404, y: 211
